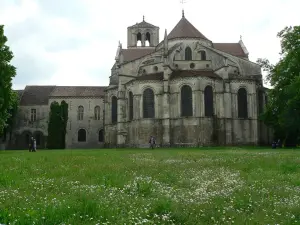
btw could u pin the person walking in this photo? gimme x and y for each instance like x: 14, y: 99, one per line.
x: 152, y: 142
x: 31, y: 143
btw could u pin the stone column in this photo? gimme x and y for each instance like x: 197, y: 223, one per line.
x: 253, y: 102
x: 166, y: 108
x: 121, y: 132
x: 143, y: 39
x: 227, y: 112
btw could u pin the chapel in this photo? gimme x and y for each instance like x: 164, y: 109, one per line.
x: 185, y: 90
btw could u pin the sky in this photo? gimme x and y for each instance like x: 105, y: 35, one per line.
x: 74, y: 42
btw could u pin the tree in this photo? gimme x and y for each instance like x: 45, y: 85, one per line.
x: 54, y: 137
x: 283, y: 109
x: 7, y: 72
x: 64, y: 118
x: 57, y: 125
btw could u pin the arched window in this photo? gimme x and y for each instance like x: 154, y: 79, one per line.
x: 101, y: 136
x: 260, y: 102
x: 242, y: 103
x: 148, y: 41
x: 130, y: 105
x: 148, y: 103
x: 81, y: 135
x: 203, y: 55
x: 80, y: 113
x: 208, y: 101
x: 186, y: 101
x: 139, y: 39
x: 114, y: 109
x: 188, y: 53
x: 97, y: 113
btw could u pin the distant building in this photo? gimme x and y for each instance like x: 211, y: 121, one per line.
x: 185, y: 90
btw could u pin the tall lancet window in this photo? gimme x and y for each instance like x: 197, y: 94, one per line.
x: 186, y: 101
x: 188, y: 53
x: 148, y: 104
x: 242, y: 103
x: 208, y: 101
x: 130, y: 105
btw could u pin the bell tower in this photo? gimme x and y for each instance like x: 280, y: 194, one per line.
x: 142, y: 34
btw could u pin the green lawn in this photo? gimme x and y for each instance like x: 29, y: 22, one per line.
x: 164, y: 186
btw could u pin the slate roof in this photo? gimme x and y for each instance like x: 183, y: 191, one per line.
x: 184, y: 29
x: 78, y: 91
x: 39, y: 95
x: 135, y: 53
x: 143, y: 24
x: 194, y: 73
x: 231, y: 48
x: 36, y: 95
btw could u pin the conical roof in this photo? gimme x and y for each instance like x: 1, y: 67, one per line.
x: 184, y: 29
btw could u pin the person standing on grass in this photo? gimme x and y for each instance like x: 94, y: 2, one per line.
x: 34, y: 145
x: 152, y: 142
x: 31, y: 144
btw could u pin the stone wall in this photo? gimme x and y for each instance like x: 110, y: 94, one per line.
x: 91, y: 125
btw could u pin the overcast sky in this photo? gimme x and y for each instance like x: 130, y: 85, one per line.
x: 74, y: 42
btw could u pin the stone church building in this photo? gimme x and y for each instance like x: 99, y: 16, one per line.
x: 185, y: 91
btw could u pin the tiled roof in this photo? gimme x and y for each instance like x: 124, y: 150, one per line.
x: 143, y: 24
x: 152, y: 76
x: 194, y: 73
x: 78, y: 91
x: 135, y: 53
x: 36, y: 95
x: 231, y: 48
x: 184, y: 29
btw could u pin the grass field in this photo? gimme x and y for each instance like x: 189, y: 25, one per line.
x: 170, y: 186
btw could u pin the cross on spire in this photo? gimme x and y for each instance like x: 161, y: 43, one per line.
x: 183, y: 2
x: 143, y: 18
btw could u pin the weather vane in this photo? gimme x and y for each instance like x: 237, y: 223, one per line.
x: 183, y: 2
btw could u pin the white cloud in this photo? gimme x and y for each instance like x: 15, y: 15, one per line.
x: 73, y: 42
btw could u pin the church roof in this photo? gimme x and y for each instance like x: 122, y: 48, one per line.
x: 143, y: 24
x: 135, y: 53
x: 36, y: 95
x: 39, y: 95
x: 184, y: 29
x: 231, y: 48
x: 78, y: 91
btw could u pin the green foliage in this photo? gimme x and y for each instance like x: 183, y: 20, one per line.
x: 64, y: 118
x: 7, y: 72
x: 57, y: 126
x: 283, y: 109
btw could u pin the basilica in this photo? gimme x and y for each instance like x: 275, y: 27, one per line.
x: 185, y: 90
